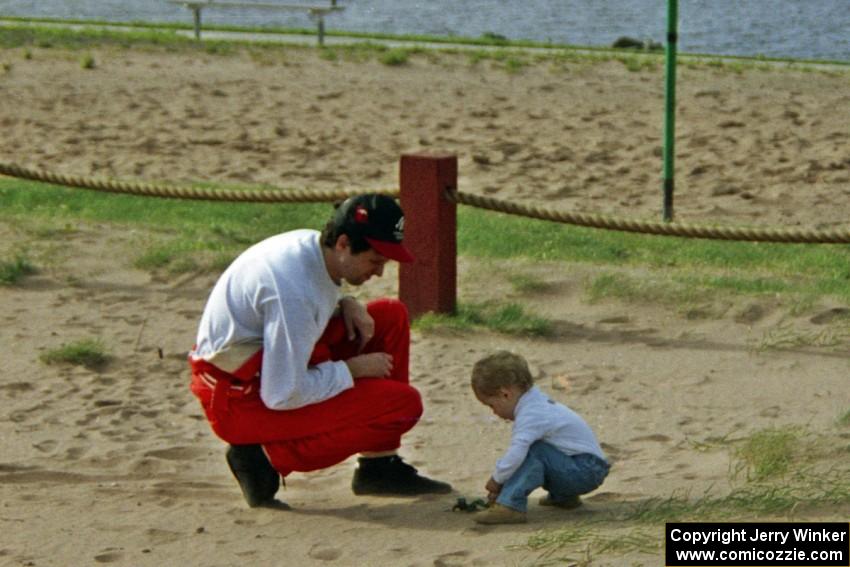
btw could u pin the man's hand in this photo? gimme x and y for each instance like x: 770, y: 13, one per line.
x: 358, y: 322
x: 372, y: 365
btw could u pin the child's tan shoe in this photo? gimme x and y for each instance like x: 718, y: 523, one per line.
x: 568, y: 504
x: 498, y: 514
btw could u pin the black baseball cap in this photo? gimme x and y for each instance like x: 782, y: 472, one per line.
x: 379, y: 220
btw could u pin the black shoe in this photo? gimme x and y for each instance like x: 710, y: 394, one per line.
x: 390, y: 476
x: 257, y: 478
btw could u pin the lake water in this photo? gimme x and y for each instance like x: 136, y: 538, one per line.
x: 807, y: 29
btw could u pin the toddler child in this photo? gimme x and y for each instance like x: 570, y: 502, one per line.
x: 551, y: 446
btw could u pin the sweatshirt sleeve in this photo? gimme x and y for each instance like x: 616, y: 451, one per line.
x: 287, y: 382
x: 528, y: 428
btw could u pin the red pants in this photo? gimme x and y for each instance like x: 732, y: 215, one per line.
x: 371, y: 416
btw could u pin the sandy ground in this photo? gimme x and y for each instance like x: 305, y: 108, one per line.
x: 117, y: 466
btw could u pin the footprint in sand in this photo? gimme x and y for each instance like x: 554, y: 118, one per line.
x: 453, y: 559
x: 146, y: 467
x: 324, y: 552
x: 15, y: 388
x: 831, y: 315
x: 46, y: 446
x: 615, y: 453
x: 751, y: 314
x: 109, y: 557
x: 655, y: 437
x: 609, y: 497
x: 158, y: 536
x: 772, y: 412
x: 19, y: 416
x: 74, y: 453
x: 616, y: 320
x: 176, y: 453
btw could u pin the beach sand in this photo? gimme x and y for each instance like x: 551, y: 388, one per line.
x: 116, y: 465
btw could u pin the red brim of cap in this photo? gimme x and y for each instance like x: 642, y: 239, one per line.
x: 391, y: 250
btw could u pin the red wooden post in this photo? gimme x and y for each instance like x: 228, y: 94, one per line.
x: 430, y: 231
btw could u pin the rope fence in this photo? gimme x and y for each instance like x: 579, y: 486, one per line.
x: 590, y: 220
x: 652, y: 227
x: 428, y: 187
x: 170, y: 191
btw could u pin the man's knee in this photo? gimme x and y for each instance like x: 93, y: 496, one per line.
x: 402, y: 406
x: 389, y: 309
x: 409, y: 400
x: 389, y: 396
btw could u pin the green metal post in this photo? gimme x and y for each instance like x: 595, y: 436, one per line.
x: 670, y: 106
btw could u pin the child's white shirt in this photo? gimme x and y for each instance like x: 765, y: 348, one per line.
x: 539, y: 418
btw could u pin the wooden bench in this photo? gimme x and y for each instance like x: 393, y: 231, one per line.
x: 316, y: 11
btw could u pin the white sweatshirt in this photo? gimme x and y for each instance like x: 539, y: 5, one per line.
x: 278, y: 295
x: 539, y: 418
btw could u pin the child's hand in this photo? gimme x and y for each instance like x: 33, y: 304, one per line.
x: 492, y: 487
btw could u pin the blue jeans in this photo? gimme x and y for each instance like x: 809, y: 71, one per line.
x: 562, y: 475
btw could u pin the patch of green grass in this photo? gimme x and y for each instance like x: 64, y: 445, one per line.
x: 178, y: 256
x: 235, y: 235
x: 495, y: 38
x: 685, y: 289
x: 767, y: 454
x: 636, y: 63
x: 89, y: 353
x: 786, y: 336
x: 788, y: 481
x: 801, y: 303
x: 844, y: 420
x: 804, y: 269
x: 758, y: 500
x: 514, y: 64
x: 508, y: 318
x: 328, y: 54
x: 753, y: 501
x: 46, y: 229
x: 88, y: 62
x: 395, y: 57
x: 476, y: 56
x: 219, y: 47
x: 680, y: 270
x: 638, y: 290
x: 156, y: 258
x: 208, y: 233
x: 524, y: 283
x: 589, y: 540
x: 692, y: 300
x: 368, y: 51
x: 742, y: 285
x: 486, y: 39
x: 12, y: 271
x: 46, y: 37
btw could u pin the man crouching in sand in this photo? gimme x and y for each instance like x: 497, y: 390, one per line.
x: 295, y: 377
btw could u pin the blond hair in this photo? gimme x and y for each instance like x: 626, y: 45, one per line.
x: 501, y: 369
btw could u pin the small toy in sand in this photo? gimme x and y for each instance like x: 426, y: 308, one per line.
x: 462, y: 505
